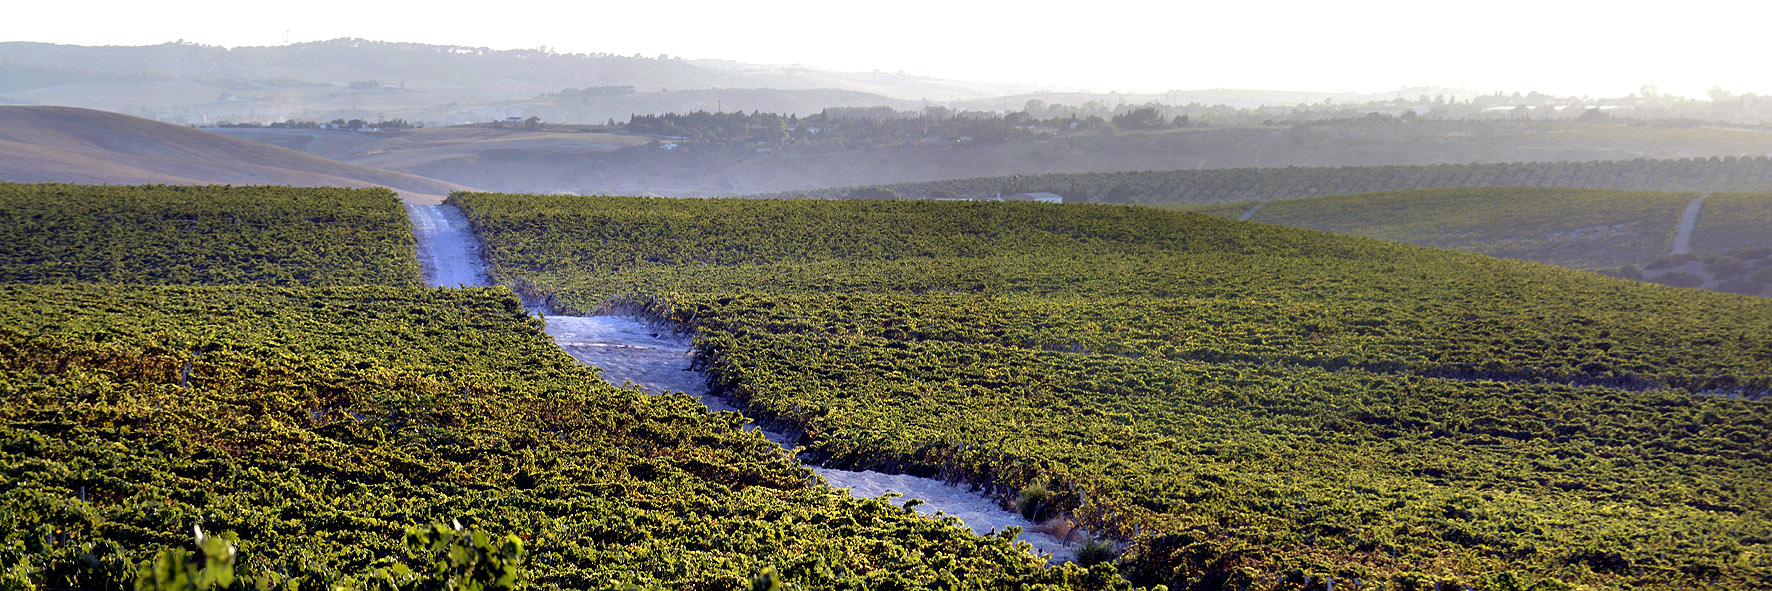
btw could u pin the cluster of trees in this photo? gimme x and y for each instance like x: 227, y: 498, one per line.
x: 1037, y: 119
x: 347, y: 124
x: 850, y: 128
x: 592, y: 91
x: 1649, y: 104
x: 1236, y: 405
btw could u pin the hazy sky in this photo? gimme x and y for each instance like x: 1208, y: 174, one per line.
x: 1566, y: 47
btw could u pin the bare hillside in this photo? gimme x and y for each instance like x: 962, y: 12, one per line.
x: 63, y: 144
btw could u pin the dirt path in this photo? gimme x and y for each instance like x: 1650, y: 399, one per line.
x: 634, y: 354
x: 1249, y: 213
x: 448, y: 251
x: 1688, y: 220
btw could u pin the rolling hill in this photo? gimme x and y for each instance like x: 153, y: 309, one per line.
x: 264, y: 364
x: 1749, y: 172
x: 1235, y: 405
x: 70, y: 145
x: 1631, y: 234
x: 1196, y: 165
x: 435, y: 83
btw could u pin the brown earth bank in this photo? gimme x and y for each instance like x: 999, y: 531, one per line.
x: 70, y: 145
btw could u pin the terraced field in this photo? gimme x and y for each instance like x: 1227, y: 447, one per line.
x: 1235, y: 405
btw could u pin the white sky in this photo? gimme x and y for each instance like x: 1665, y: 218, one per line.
x: 1581, y: 47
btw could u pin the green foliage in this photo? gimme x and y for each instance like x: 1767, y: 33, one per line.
x: 1095, y: 551
x: 455, y: 559
x: 1241, y: 405
x: 177, y: 569
x: 15, y: 572
x: 316, y: 422
x: 172, y: 235
x: 1032, y: 501
x: 466, y: 560
x: 1579, y: 228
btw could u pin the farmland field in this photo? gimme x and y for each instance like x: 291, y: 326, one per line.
x: 1621, y: 233
x: 171, y: 235
x: 1236, y: 404
x: 1580, y: 228
x: 1236, y: 185
x: 311, y: 425
x: 1734, y: 221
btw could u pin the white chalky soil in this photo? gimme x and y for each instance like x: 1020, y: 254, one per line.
x: 633, y: 353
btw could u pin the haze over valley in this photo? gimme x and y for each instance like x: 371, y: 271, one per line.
x: 919, y: 296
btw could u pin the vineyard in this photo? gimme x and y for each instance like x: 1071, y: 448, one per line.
x: 1234, y: 185
x: 1236, y: 405
x: 170, y: 235
x: 1623, y: 234
x: 319, y: 430
x: 1734, y: 221
x: 1580, y: 228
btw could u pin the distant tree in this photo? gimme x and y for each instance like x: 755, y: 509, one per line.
x: 872, y: 193
x: 1594, y: 115
x: 532, y: 122
x: 1717, y: 94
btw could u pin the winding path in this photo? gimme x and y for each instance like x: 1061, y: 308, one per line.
x: 633, y: 353
x: 1688, y: 220
x: 447, y: 248
x: 1249, y: 213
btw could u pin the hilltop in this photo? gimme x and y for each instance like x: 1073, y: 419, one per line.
x: 192, y: 83
x: 63, y: 144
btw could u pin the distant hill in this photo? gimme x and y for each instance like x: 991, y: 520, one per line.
x: 1209, y: 165
x: 355, y: 78
x: 1631, y: 234
x: 69, y: 145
